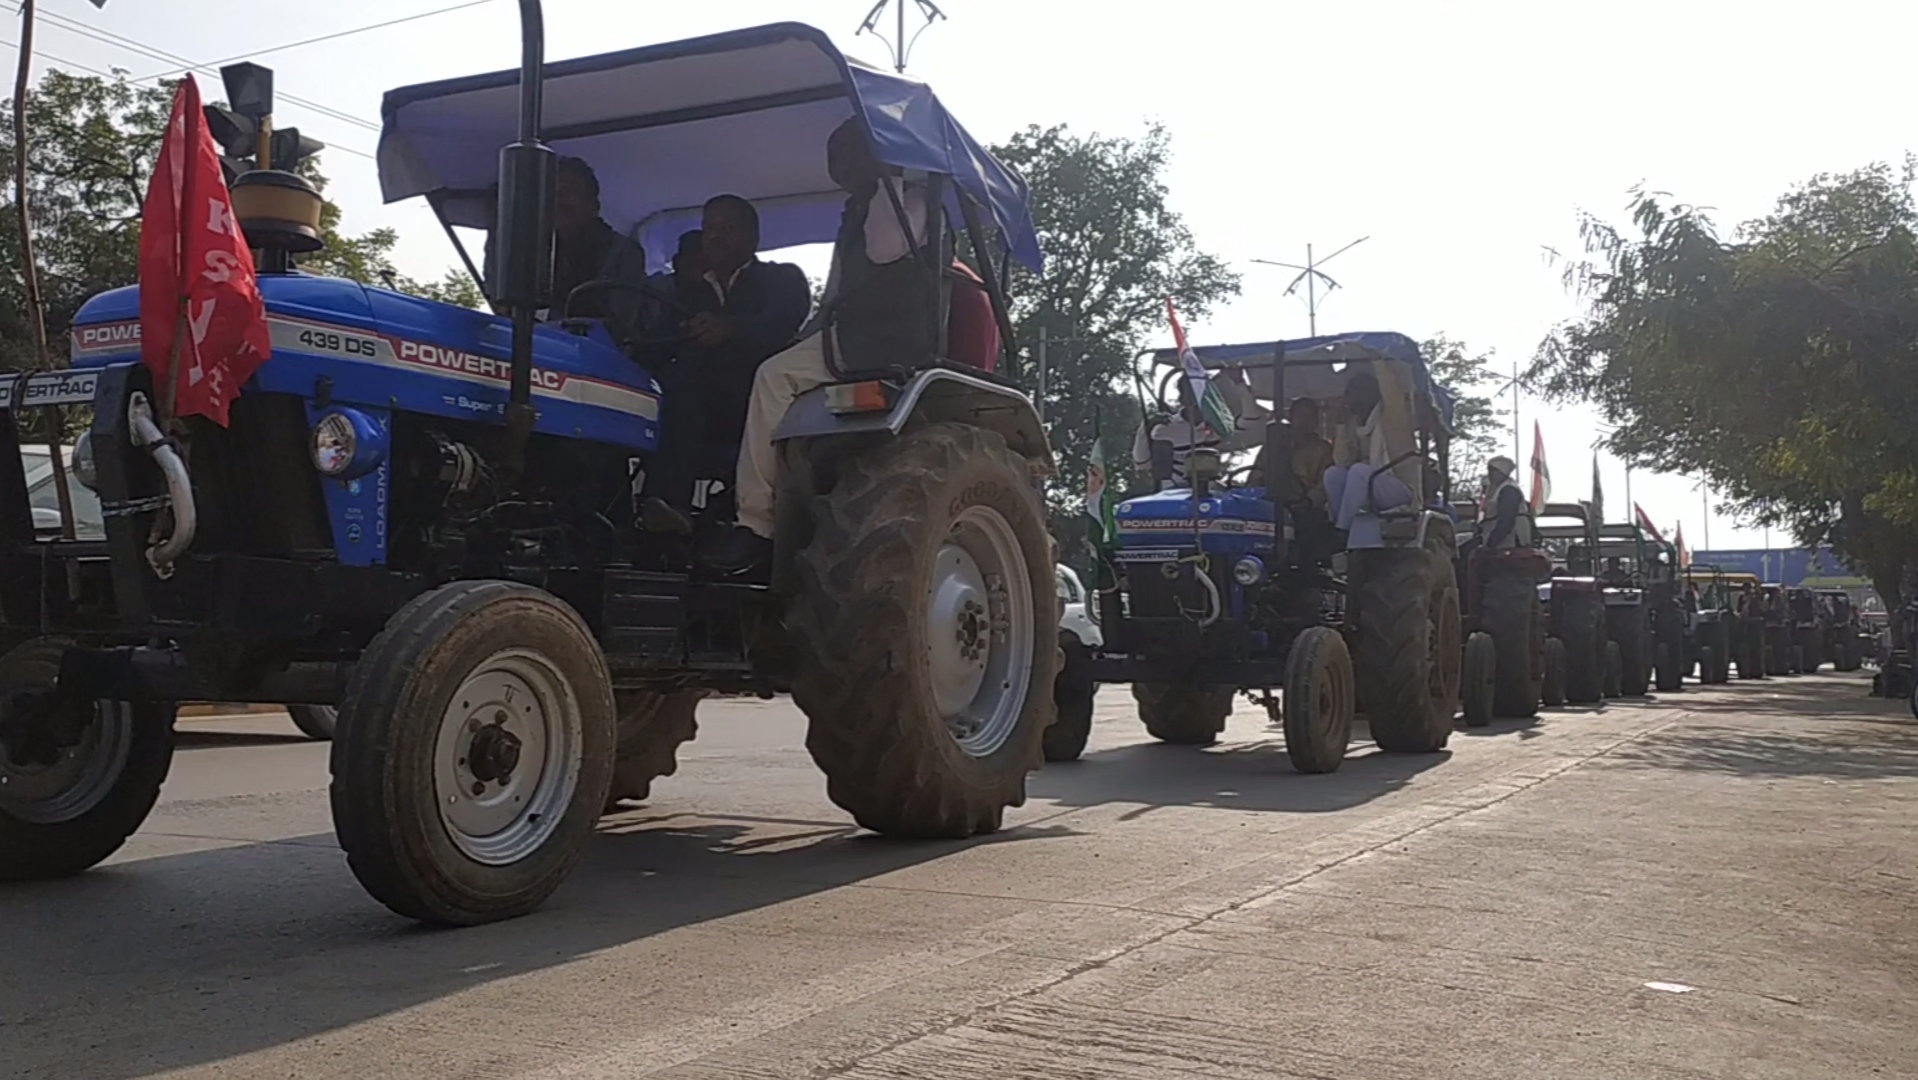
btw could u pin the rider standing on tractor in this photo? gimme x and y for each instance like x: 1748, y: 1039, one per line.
x: 1504, y: 507
x: 1375, y: 439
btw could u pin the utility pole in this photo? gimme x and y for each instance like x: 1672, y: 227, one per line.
x: 1705, y: 503
x: 900, y: 46
x: 1311, y: 275
x: 1041, y: 402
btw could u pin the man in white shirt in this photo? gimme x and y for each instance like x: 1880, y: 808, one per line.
x: 1184, y: 436
x: 1376, y: 434
x: 868, y: 259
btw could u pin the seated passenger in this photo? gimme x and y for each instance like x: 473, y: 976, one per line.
x: 745, y: 310
x: 860, y: 289
x: 1364, y: 450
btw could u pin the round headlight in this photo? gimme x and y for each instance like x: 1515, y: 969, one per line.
x: 334, y: 443
x: 1248, y: 571
x: 84, y: 469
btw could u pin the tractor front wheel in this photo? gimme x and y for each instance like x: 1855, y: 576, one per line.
x: 76, y: 777
x: 474, y: 753
x: 1480, y: 680
x: 1552, y: 687
x: 1320, y: 697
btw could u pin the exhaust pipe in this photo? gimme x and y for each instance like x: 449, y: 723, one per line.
x: 166, y: 550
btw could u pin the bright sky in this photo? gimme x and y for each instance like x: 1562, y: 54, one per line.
x: 1462, y: 138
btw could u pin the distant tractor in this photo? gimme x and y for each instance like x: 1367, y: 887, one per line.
x: 1574, y: 600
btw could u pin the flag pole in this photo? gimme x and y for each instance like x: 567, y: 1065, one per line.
x: 29, y: 275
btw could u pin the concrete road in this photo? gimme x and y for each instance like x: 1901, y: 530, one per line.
x: 1713, y: 884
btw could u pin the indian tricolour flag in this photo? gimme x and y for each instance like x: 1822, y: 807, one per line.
x: 1214, y: 411
x: 1099, y: 529
x: 1541, y: 476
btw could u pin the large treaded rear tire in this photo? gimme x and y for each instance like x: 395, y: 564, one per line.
x: 861, y: 627
x: 1514, y: 618
x: 395, y: 740
x: 77, y: 825
x: 1410, y: 699
x: 1183, y: 714
x: 1073, y: 694
x: 652, y: 727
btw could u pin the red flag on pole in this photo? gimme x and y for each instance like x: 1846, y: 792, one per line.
x: 1684, y: 553
x: 1541, y: 476
x: 202, y: 325
x: 1645, y: 522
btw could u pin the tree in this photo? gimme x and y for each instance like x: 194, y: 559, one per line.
x: 1780, y: 365
x: 1114, y: 252
x: 1479, y: 424
x: 92, y: 143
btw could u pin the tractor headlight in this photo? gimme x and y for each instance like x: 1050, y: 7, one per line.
x: 84, y: 469
x: 347, y: 444
x: 1248, y: 571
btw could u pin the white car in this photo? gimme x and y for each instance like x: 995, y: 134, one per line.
x: 1076, y: 614
x: 1074, y: 691
x: 38, y: 464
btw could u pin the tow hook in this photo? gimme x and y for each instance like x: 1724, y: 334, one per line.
x: 167, y: 549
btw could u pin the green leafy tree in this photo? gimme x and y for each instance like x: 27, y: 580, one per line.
x: 1114, y: 252
x: 91, y: 147
x: 1781, y: 364
x: 1480, y: 425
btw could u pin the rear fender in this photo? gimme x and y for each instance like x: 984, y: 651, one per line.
x: 936, y: 394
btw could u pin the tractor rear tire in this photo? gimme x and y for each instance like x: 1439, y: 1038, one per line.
x: 1582, y: 623
x: 1320, y: 698
x: 1409, y: 649
x: 1072, y: 698
x: 1184, y: 714
x: 1614, y: 671
x: 926, y: 624
x: 65, y: 812
x: 1516, y: 621
x: 474, y: 753
x: 652, y: 727
x: 1631, y: 630
x: 1478, y: 684
x: 1552, y: 686
x: 316, y: 722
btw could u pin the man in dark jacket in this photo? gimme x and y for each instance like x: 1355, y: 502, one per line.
x: 743, y: 311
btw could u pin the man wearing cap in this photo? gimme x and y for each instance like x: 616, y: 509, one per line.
x: 1504, y: 507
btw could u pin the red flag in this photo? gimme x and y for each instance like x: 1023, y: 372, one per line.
x: 1541, y: 476
x: 1645, y: 522
x: 1684, y: 553
x: 196, y: 273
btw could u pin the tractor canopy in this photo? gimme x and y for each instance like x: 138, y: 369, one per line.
x: 667, y: 127
x: 1320, y: 367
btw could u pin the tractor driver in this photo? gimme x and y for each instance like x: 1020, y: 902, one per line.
x: 585, y: 248
x: 871, y: 244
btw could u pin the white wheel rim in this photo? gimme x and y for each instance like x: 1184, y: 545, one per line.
x: 507, y: 757
x: 979, y: 630
x: 51, y: 792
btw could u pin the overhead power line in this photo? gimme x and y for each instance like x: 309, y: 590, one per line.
x: 335, y: 36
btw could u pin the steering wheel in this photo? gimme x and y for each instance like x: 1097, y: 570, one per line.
x: 644, y: 289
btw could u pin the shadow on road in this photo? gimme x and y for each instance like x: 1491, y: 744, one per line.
x: 1239, y: 776
x: 1847, y: 734
x: 184, y: 960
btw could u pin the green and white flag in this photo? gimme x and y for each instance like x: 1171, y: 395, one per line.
x: 1214, y: 411
x: 1099, y: 526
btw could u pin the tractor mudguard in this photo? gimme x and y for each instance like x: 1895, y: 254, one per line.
x: 933, y: 394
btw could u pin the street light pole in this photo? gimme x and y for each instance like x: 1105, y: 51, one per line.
x: 1311, y: 275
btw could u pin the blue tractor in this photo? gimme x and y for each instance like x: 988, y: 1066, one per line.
x: 1240, y: 581
x: 426, y: 515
